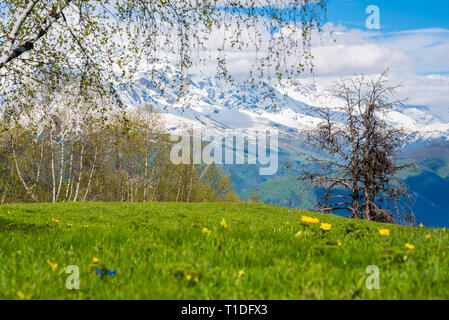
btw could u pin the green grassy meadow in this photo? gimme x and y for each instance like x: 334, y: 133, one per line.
x: 163, y: 251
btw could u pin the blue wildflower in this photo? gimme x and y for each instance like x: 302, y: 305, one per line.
x: 112, y: 272
x: 97, y: 271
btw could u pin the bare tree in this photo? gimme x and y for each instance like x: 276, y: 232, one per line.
x: 356, y: 163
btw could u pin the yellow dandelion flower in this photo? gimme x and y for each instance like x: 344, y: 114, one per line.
x: 224, y: 224
x: 384, y: 232
x: 69, y: 225
x: 310, y: 220
x: 409, y: 246
x: 207, y: 231
x: 339, y: 244
x: 95, y: 260
x: 188, y: 277
x: 53, y: 266
x: 421, y: 225
x: 56, y: 221
x: 428, y: 237
x: 326, y: 226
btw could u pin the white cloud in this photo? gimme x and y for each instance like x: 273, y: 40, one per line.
x: 429, y: 90
x: 349, y: 50
x: 345, y: 59
x: 417, y: 59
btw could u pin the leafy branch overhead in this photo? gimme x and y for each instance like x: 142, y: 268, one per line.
x: 102, y: 41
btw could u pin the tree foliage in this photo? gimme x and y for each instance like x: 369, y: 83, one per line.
x: 106, y: 41
x: 66, y: 149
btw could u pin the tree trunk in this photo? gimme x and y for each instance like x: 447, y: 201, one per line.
x: 28, y: 190
x: 79, y: 175
x: 61, y: 170
x: 91, y: 174
x: 52, y: 161
x: 69, y: 182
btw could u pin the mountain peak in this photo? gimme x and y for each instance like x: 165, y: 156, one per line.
x: 186, y: 101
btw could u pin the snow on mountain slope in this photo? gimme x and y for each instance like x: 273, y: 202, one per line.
x: 214, y: 106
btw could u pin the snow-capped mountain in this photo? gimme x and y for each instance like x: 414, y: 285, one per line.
x: 216, y: 105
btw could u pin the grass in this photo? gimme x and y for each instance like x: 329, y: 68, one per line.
x: 161, y: 252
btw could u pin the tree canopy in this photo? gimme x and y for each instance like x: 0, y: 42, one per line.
x: 103, y: 41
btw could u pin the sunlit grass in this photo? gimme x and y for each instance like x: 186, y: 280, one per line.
x: 212, y: 251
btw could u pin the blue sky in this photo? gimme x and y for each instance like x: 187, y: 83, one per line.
x: 412, y: 42
x: 396, y: 15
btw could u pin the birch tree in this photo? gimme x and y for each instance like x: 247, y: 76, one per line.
x: 104, y: 41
